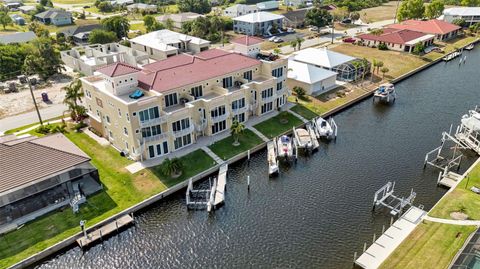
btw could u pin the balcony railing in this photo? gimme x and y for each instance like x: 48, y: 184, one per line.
x: 159, y: 120
x: 269, y: 99
x: 184, y: 131
x: 220, y: 118
x: 240, y: 110
x: 155, y: 138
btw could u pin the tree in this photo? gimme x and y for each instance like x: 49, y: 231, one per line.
x: 380, y: 64
x: 459, y: 22
x: 73, y: 95
x: 434, y: 9
x: 377, y: 32
x: 99, y: 36
x: 44, y: 59
x: 340, y: 13
x: 117, y: 24
x: 318, y: 17
x: 12, y: 57
x: 418, y: 49
x: 151, y: 24
x: 470, y: 3
x: 172, y: 167
x: 299, y: 91
x: 197, y: 6
x: 276, y: 51
x: 169, y: 24
x: 236, y: 130
x: 384, y: 70
x: 5, y: 19
x: 299, y: 42
x: 411, y: 9
x: 105, y: 7
x: 293, y: 44
x: 38, y: 29
x: 355, y: 16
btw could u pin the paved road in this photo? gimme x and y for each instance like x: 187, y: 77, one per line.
x: 31, y: 117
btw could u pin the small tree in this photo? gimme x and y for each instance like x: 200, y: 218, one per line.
x: 384, y: 70
x: 379, y: 65
x: 299, y: 42
x: 293, y: 44
x: 73, y: 95
x: 236, y: 130
x: 99, y: 36
x: 276, y: 51
x: 434, y: 9
x: 172, y: 167
x: 299, y: 91
x: 5, y: 19
x: 169, y: 24
x: 355, y: 16
x: 459, y: 22
x: 418, y: 49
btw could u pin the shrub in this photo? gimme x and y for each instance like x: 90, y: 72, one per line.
x: 382, y: 47
x: 299, y: 91
x: 79, y: 126
x: 43, y: 129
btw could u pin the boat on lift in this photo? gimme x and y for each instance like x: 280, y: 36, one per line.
x: 385, y: 92
x: 470, y: 47
x: 272, y: 159
x: 324, y: 128
x: 472, y: 120
x: 284, y: 147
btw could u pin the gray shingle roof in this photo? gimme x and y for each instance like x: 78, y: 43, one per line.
x: 54, y: 13
x: 17, y: 37
x: 71, y: 31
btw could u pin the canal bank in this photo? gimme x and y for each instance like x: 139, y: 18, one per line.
x: 172, y: 190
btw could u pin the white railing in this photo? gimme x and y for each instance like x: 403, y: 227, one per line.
x: 240, y: 110
x: 159, y: 120
x: 220, y: 118
x: 155, y: 137
x: 269, y: 99
x: 184, y: 131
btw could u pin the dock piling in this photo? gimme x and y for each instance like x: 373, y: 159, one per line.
x: 248, y: 183
x: 364, y: 246
x: 374, y: 237
x: 354, y: 257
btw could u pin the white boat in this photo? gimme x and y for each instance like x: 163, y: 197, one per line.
x: 284, y: 147
x: 322, y: 127
x: 302, y: 138
x: 470, y: 47
x: 472, y: 120
x: 385, y: 92
x: 272, y: 158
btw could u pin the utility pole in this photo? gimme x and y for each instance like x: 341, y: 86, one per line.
x: 34, y: 101
x: 333, y: 27
x: 396, y: 11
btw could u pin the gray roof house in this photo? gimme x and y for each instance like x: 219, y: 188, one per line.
x: 17, y: 19
x: 260, y: 23
x: 21, y: 37
x: 27, y: 9
x: 55, y: 16
x: 80, y: 33
x: 141, y: 7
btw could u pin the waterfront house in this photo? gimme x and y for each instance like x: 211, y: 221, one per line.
x: 27, y: 9
x: 247, y: 45
x: 471, y: 15
x: 296, y: 18
x: 40, y: 175
x: 239, y: 10
x: 167, y: 105
x: 164, y: 43
x: 17, y: 19
x: 399, y: 40
x: 330, y: 60
x: 260, y: 23
x: 22, y: 37
x: 142, y: 8
x: 313, y: 79
x: 179, y: 19
x: 13, y: 6
x: 442, y: 30
x: 80, y: 33
x: 54, y: 16
x: 87, y: 59
x: 268, y: 5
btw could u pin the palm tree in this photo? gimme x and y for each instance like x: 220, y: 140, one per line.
x: 236, y: 130
x: 172, y: 167
x: 384, y: 70
x: 379, y: 65
x: 356, y: 65
x: 374, y: 64
x: 276, y: 51
x: 293, y: 44
x: 299, y: 42
x: 73, y: 94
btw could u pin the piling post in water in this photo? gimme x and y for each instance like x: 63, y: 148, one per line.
x: 248, y: 183
x: 364, y: 246
x: 101, y: 237
x: 383, y: 229
x: 116, y: 224
x: 354, y: 257
x: 374, y: 238
x: 248, y: 157
x: 391, y: 221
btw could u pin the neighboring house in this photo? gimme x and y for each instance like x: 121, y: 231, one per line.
x: 122, y: 2
x: 13, y: 6
x: 40, y: 175
x: 313, y: 79
x: 296, y: 3
x: 22, y: 37
x: 239, y: 10
x: 79, y: 34
x: 399, y: 40
x: 164, y: 43
x: 260, y: 23
x: 55, y: 16
x: 170, y: 103
x: 27, y: 9
x: 87, y: 59
x: 178, y: 19
x: 268, y: 5
x: 141, y: 7
x: 441, y: 29
x: 471, y: 15
x: 296, y: 18
x: 330, y: 60
x: 17, y: 19
x: 247, y: 45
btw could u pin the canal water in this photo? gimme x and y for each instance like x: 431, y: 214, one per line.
x: 318, y: 212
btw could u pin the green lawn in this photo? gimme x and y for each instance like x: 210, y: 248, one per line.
x: 304, y: 112
x: 11, y: 131
x: 225, y: 150
x: 462, y: 199
x: 278, y: 125
x: 121, y: 190
x: 430, y: 245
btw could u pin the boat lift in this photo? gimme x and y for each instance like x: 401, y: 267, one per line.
x: 273, y: 168
x: 333, y: 125
x: 436, y: 159
x: 467, y: 136
x: 302, y: 139
x: 313, y: 136
x: 200, y: 198
x: 285, y: 154
x: 385, y: 197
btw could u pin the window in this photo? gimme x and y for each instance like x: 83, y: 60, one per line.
x: 267, y: 107
x: 125, y: 131
x: 197, y: 91
x: 127, y: 116
x: 126, y: 146
x: 279, y: 86
x: 248, y: 75
x: 219, y: 126
x: 119, y: 113
x: 108, y: 119
x: 218, y: 111
x: 277, y: 72
x: 267, y: 93
x: 165, y: 147
x: 90, y: 108
x: 151, y: 151
x: 171, y: 99
x: 227, y: 82
x: 240, y: 117
x: 237, y: 104
x: 181, y: 124
x: 182, y: 141
x: 149, y: 114
x: 151, y: 131
x: 88, y: 94
x: 98, y: 113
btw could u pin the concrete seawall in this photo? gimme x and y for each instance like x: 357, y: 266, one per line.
x: 148, y: 202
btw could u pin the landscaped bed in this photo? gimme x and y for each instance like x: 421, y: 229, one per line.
x: 225, y: 149
x: 277, y: 125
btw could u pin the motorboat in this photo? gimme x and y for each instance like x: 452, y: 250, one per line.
x: 272, y: 159
x: 385, y: 92
x: 322, y: 127
x: 285, y: 147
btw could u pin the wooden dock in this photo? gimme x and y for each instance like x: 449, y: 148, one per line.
x: 448, y: 179
x: 221, y: 184
x: 105, y: 230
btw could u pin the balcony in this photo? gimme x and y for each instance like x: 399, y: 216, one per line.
x: 184, y: 131
x: 269, y: 99
x: 159, y: 120
x: 240, y: 110
x: 220, y: 118
x: 155, y: 138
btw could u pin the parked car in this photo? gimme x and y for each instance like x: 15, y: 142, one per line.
x: 290, y: 30
x: 272, y: 39
x: 86, y: 7
x: 347, y: 21
x: 349, y: 40
x: 313, y: 28
x: 278, y: 40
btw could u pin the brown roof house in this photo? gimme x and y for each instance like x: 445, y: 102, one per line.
x: 39, y: 175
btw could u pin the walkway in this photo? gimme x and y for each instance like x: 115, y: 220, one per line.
x: 298, y: 116
x: 453, y: 222
x: 212, y: 154
x: 264, y: 138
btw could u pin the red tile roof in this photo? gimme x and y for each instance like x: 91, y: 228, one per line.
x: 395, y: 36
x: 118, y: 69
x: 247, y: 40
x: 182, y: 70
x: 435, y: 26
